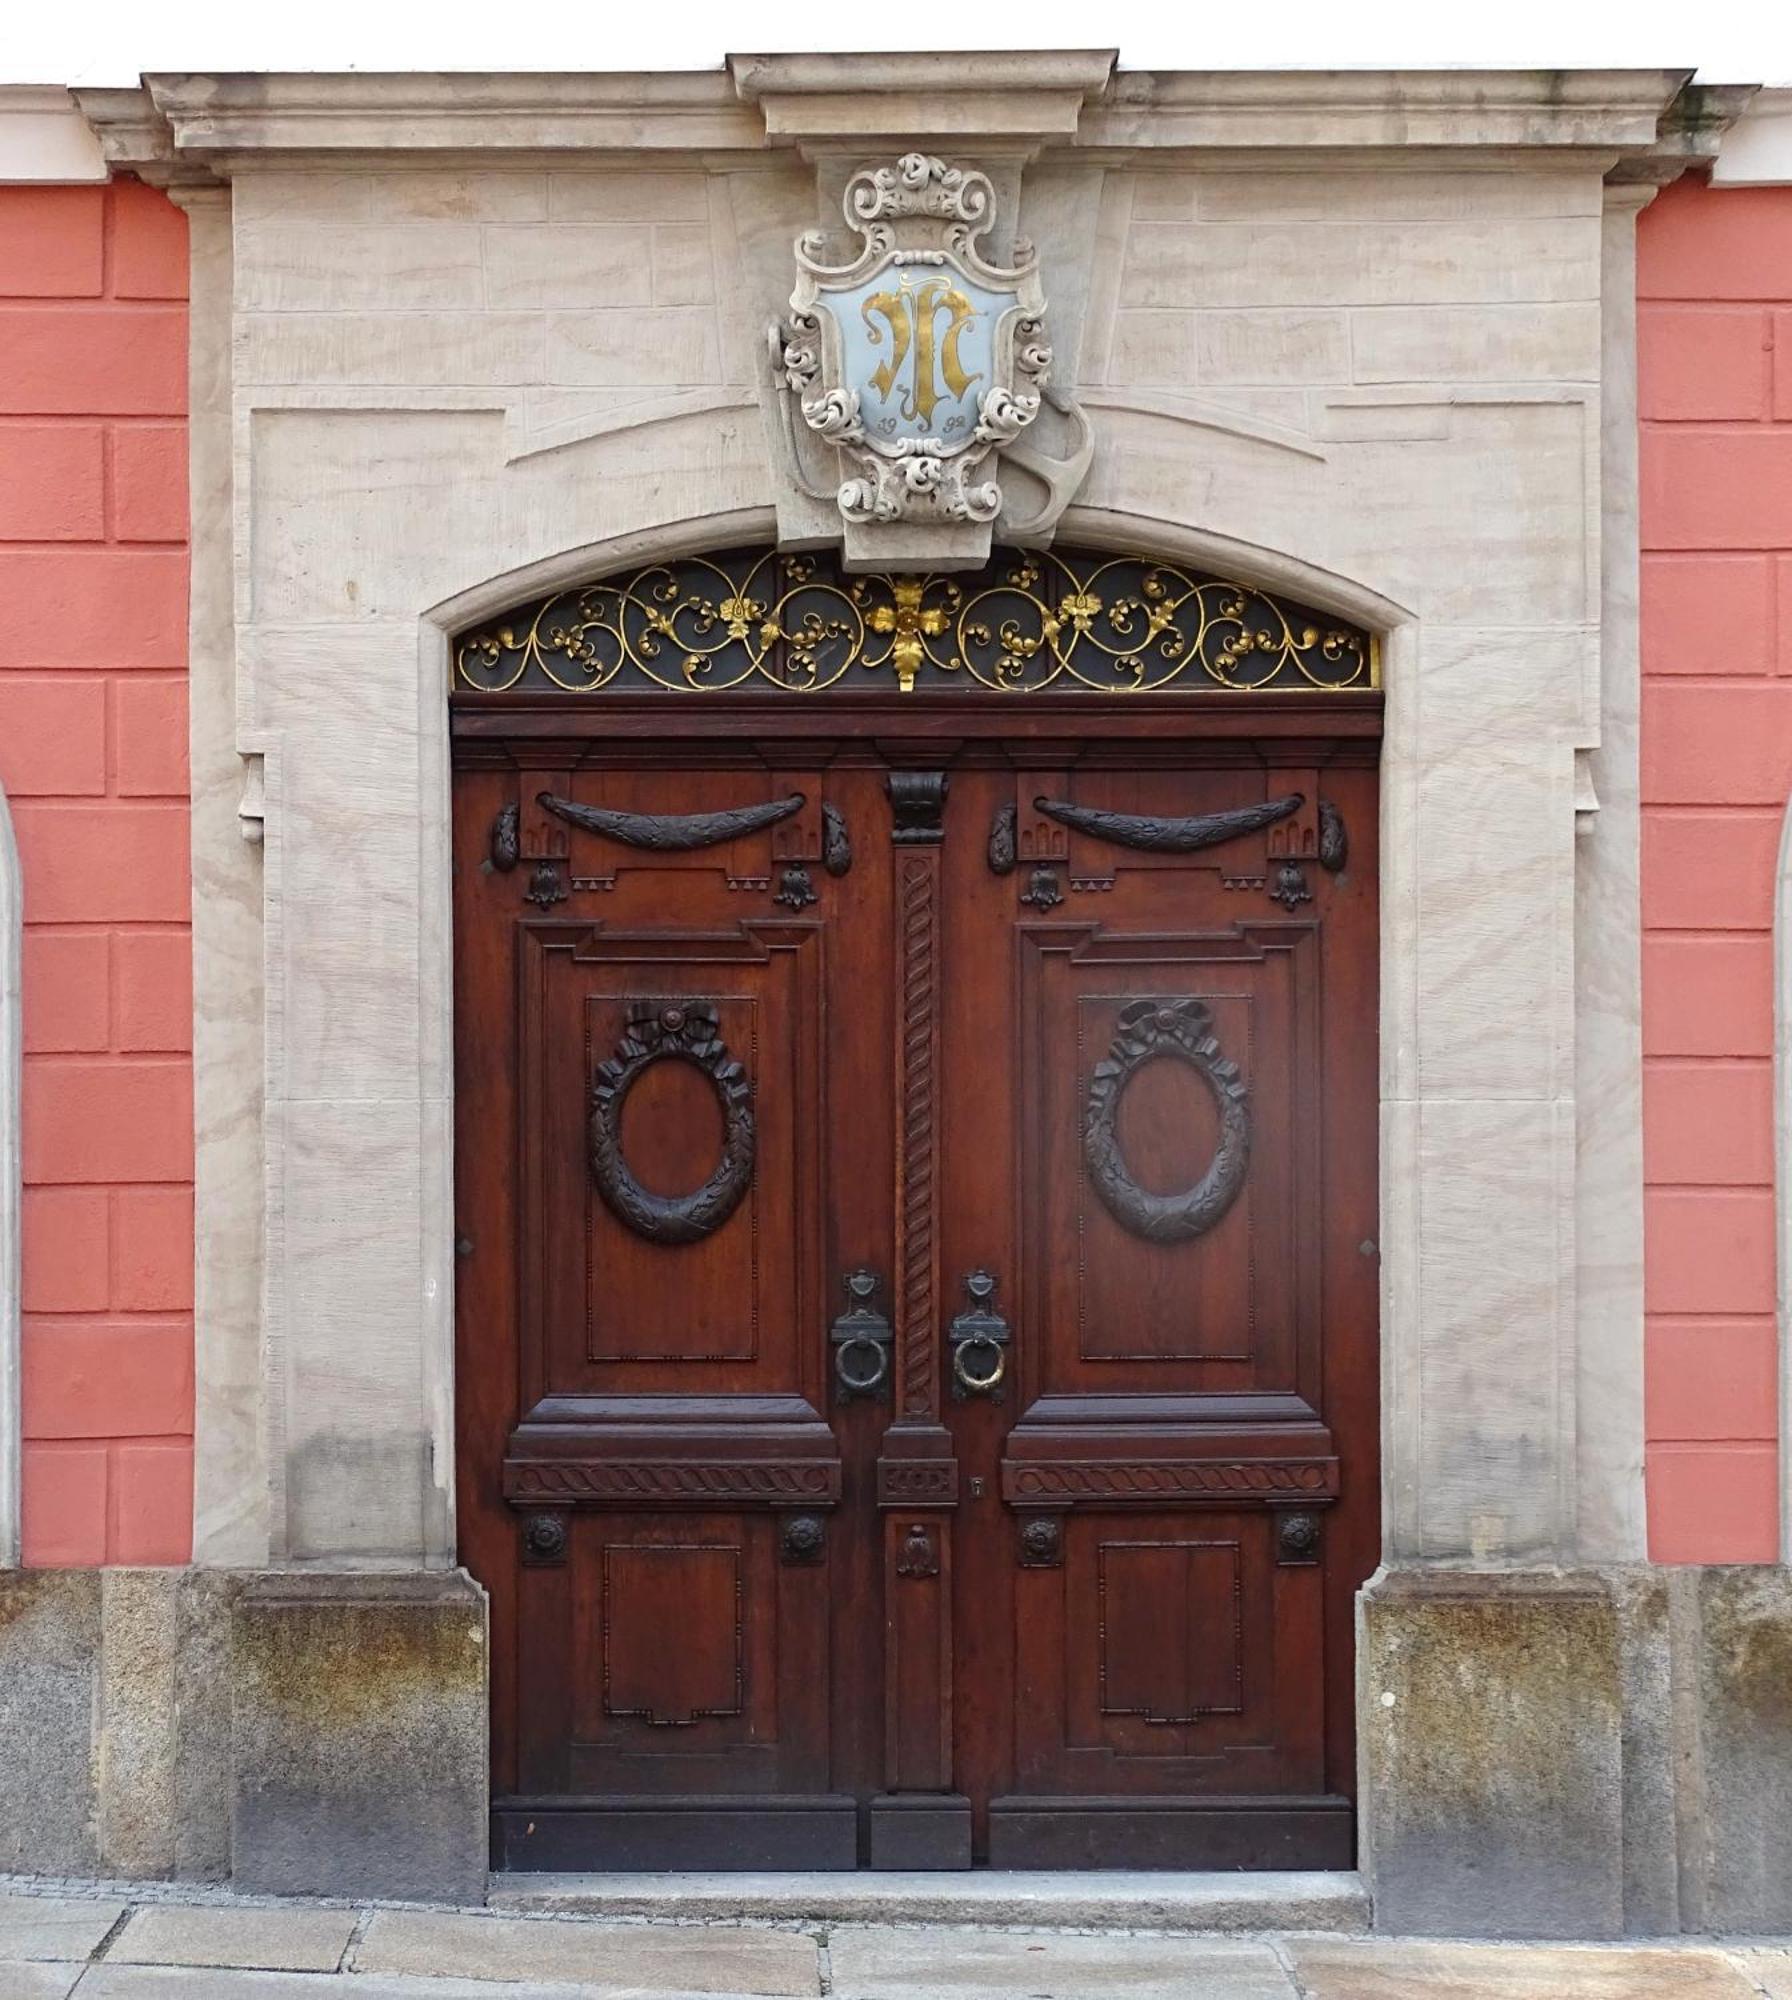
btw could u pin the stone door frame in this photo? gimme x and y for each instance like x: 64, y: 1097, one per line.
x: 1511, y: 1218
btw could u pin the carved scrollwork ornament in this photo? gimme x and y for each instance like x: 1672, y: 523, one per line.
x: 671, y: 1031
x: 1183, y: 1031
x: 506, y: 841
x: 836, y: 842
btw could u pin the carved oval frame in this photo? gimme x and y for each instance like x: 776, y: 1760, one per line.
x: 1148, y: 1029
x: 672, y: 1031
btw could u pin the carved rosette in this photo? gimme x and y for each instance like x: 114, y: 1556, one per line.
x: 918, y: 361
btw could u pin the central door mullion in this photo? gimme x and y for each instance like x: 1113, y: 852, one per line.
x: 918, y: 1821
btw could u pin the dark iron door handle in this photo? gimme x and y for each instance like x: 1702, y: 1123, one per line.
x: 862, y: 1339
x: 978, y: 1339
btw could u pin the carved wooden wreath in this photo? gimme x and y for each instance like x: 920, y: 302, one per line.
x: 1182, y: 1029
x: 671, y: 1031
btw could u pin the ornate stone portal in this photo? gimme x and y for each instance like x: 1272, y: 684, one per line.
x: 1286, y: 307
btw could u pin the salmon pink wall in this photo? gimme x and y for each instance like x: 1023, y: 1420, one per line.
x: 1714, y: 278
x: 93, y: 733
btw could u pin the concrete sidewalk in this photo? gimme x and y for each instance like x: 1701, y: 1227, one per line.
x: 112, y: 1949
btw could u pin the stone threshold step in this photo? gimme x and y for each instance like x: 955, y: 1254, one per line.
x: 1124, y: 1900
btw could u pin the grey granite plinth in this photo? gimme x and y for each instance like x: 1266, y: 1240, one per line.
x: 359, y: 1736
x: 49, y: 1664
x: 1739, y: 1767
x: 1491, y: 1714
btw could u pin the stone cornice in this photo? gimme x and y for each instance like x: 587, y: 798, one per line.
x: 135, y: 137
x: 336, y: 116
x: 43, y: 136
x: 185, y: 128
x: 1306, y: 110
x: 1692, y: 131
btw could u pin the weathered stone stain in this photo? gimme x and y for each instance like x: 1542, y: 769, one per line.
x: 360, y: 1735
x: 335, y: 1666
x: 1499, y: 1753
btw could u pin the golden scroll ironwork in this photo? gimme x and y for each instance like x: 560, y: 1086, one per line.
x: 1030, y: 621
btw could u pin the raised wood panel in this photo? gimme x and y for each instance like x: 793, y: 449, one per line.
x: 1170, y: 1633
x: 1234, y: 1309
x: 1170, y: 1657
x: 612, y: 1311
x: 698, y: 1658
x: 646, y: 1591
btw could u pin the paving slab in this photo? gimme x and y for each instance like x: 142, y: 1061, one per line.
x: 1042, y: 1899
x: 58, y: 1928
x: 262, y: 1940
x: 1374, y: 1971
x: 874, y: 1964
x: 632, y: 1958
x: 40, y: 1980
x: 176, y: 1982
x: 1771, y: 1971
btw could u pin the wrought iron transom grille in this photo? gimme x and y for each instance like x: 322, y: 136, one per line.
x: 756, y: 619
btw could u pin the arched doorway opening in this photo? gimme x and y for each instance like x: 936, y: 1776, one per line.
x: 916, y: 1083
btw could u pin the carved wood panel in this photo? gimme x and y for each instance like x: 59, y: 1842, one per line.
x: 1179, y: 1244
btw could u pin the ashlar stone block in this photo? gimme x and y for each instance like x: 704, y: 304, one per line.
x: 360, y: 1736
x: 1490, y: 1724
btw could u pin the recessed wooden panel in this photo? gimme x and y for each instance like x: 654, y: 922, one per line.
x: 668, y: 1303
x: 698, y: 1659
x: 1143, y: 1301
x: 693, y: 1590
x: 1170, y: 1632
x: 1232, y: 1308
x: 606, y: 1307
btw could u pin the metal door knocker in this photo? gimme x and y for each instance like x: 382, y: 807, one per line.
x: 862, y: 1339
x: 979, y: 1338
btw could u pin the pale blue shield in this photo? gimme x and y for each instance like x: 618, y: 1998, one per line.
x: 918, y: 343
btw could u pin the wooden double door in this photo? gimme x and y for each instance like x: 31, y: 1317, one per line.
x: 916, y: 1292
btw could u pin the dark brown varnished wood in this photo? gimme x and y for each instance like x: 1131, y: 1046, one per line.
x: 742, y: 1619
